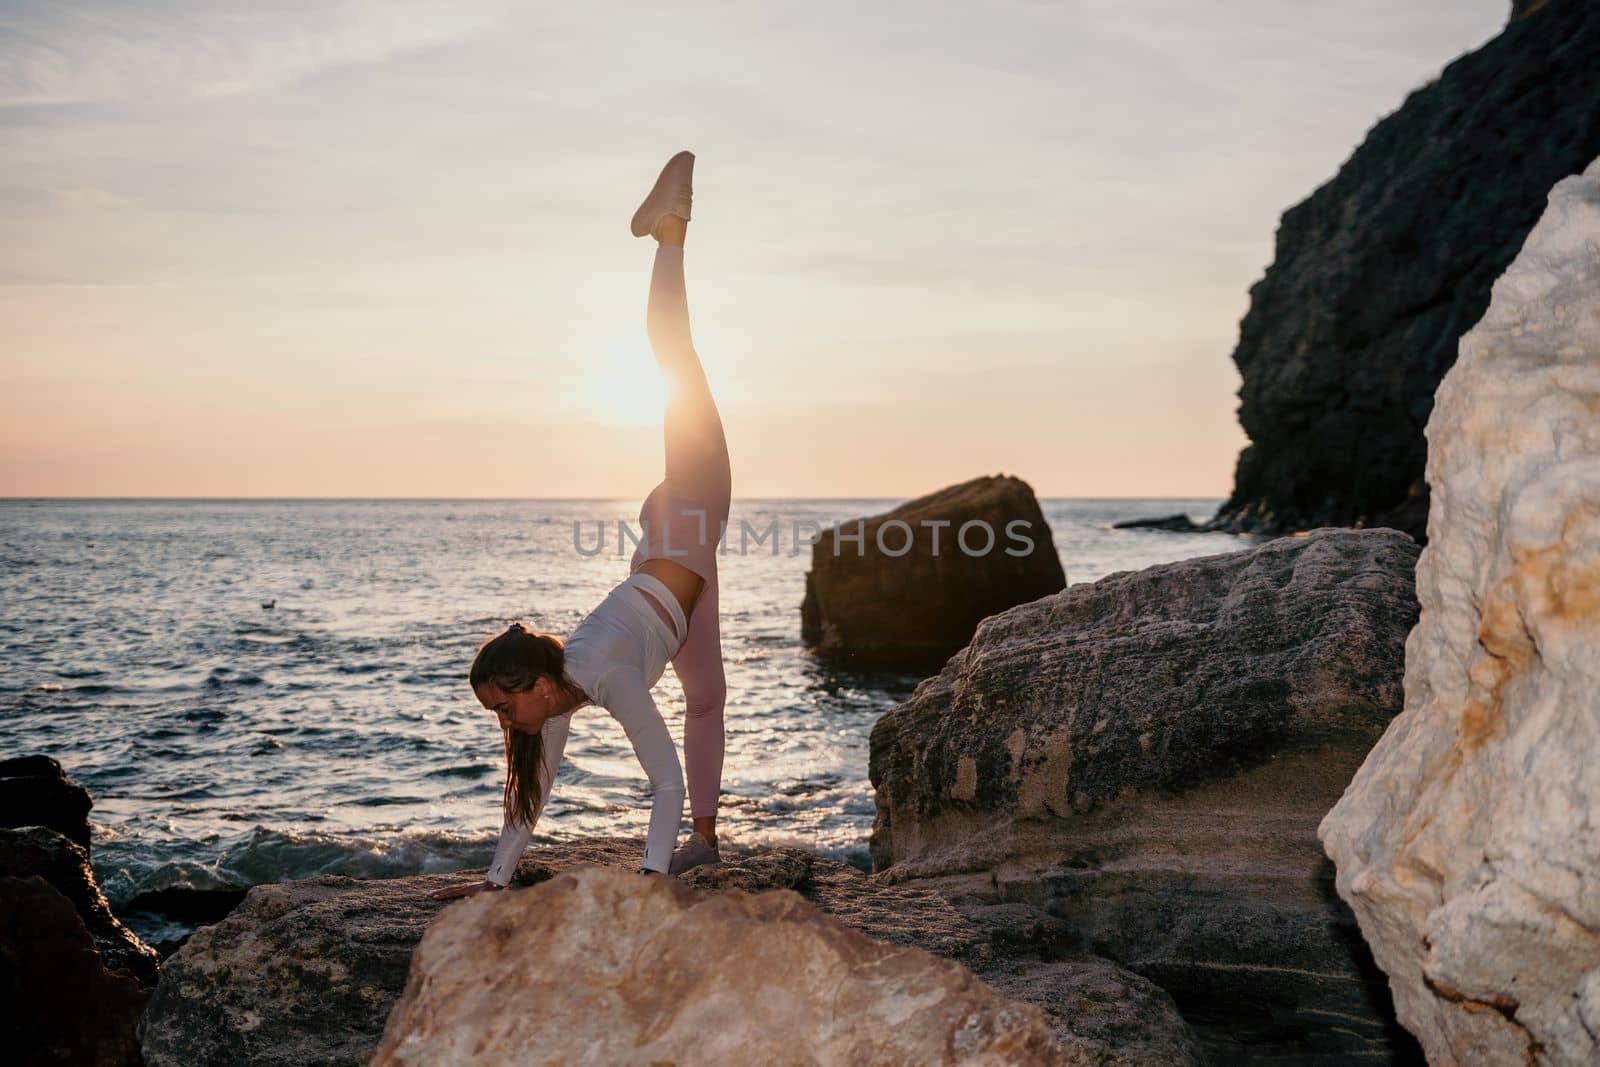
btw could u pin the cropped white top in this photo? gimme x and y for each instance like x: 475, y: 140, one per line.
x: 616, y: 654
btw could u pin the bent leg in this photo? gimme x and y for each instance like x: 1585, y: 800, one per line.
x: 698, y: 664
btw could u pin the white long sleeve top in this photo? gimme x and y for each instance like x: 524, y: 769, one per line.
x: 616, y: 654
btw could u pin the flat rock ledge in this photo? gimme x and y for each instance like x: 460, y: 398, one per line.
x: 307, y: 972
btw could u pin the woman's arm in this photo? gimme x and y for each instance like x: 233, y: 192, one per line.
x: 514, y: 836
x: 623, y: 693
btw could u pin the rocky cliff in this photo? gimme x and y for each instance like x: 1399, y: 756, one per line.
x: 1380, y: 271
x: 1469, y: 843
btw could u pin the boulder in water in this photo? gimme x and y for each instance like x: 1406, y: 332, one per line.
x: 1179, y: 523
x: 905, y: 589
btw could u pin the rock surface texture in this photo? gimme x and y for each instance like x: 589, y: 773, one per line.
x: 300, y: 973
x: 1135, y: 769
x: 1380, y: 271
x: 1469, y: 843
x: 905, y: 589
x: 604, y: 966
x: 307, y: 972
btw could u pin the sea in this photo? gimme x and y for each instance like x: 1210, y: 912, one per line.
x: 261, y: 690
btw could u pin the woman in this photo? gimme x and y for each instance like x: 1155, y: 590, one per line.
x: 665, y: 609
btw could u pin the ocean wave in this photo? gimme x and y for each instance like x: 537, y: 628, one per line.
x: 264, y: 855
x: 853, y: 852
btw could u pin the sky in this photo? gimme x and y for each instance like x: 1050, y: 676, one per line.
x: 380, y: 248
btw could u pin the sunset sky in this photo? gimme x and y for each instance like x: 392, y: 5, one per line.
x: 381, y: 248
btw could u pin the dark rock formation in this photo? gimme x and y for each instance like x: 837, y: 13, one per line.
x: 1380, y: 271
x: 44, y: 853
x: 73, y: 979
x: 307, y: 972
x: 58, y: 1003
x: 1135, y: 768
x: 35, y: 791
x: 1179, y: 523
x: 905, y: 589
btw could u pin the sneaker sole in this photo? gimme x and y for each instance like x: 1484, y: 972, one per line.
x: 659, y: 200
x: 715, y: 861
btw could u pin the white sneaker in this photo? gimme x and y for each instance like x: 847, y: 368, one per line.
x: 695, y: 852
x: 671, y: 195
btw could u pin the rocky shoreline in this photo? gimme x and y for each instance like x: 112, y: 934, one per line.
x: 308, y: 972
x: 1096, y: 844
x: 1140, y: 869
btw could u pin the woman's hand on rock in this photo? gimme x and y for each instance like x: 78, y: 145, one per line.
x: 467, y: 889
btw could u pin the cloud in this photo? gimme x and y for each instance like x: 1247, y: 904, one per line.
x: 55, y: 54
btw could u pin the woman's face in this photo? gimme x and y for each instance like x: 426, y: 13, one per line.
x: 525, y: 711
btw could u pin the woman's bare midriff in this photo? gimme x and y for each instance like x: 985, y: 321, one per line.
x: 683, y: 583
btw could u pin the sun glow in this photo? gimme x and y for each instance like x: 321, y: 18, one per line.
x: 623, y: 385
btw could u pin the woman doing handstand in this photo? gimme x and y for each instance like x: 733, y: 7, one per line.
x: 666, y: 609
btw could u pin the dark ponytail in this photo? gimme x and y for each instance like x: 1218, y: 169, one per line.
x: 514, y: 661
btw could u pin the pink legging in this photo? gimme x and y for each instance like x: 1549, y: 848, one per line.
x: 682, y: 520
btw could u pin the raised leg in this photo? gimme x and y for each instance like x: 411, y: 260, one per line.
x: 696, y: 447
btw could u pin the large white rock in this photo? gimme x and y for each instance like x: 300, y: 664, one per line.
x: 603, y: 966
x: 1468, y: 844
